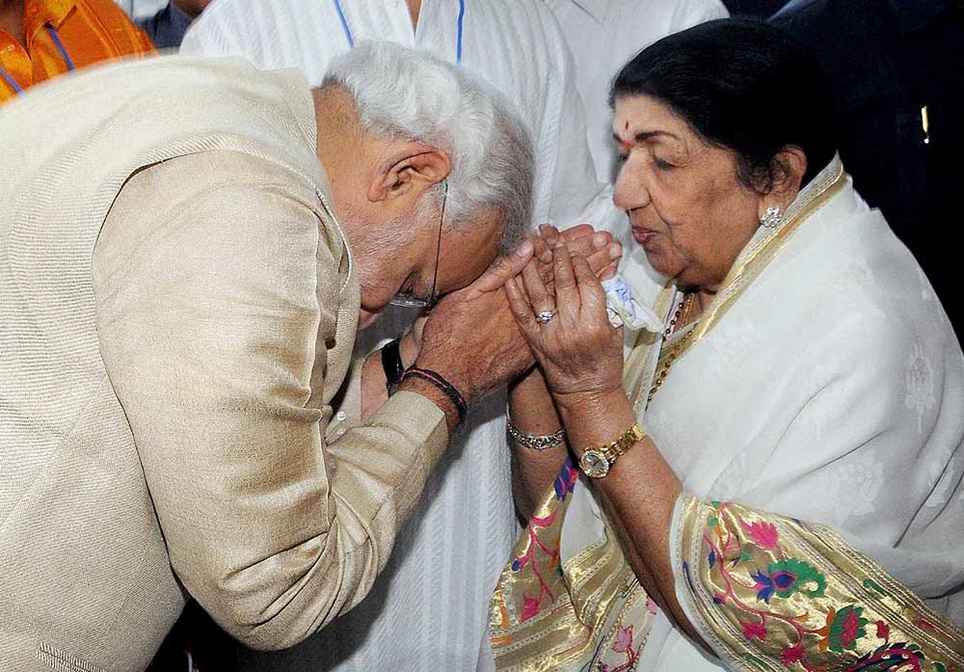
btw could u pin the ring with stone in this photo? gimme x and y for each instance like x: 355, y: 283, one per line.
x: 545, y: 317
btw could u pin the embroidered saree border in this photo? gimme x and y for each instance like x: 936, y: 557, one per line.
x: 774, y: 593
x: 587, y: 587
x: 536, y: 625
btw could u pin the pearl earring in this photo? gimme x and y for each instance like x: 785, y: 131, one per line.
x: 771, y: 218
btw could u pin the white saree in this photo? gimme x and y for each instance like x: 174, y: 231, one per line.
x: 815, y: 417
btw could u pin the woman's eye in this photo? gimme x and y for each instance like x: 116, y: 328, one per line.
x: 661, y: 164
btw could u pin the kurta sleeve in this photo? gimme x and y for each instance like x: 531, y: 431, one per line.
x: 218, y: 315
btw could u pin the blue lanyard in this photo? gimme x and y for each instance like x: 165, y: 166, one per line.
x: 11, y: 82
x: 60, y: 47
x: 351, y: 38
x: 55, y: 37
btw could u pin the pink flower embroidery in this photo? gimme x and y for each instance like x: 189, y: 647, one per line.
x: 883, y: 630
x: 751, y: 630
x: 850, y: 626
x: 624, y: 640
x: 530, y: 608
x: 792, y: 654
x: 763, y: 534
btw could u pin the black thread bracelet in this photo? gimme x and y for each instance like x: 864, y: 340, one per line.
x: 445, y: 386
x: 392, y: 365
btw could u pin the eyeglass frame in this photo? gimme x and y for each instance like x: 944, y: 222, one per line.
x: 406, y: 300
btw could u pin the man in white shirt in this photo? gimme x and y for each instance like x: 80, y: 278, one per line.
x: 429, y: 609
x: 603, y: 35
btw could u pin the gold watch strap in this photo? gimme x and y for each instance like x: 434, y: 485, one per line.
x: 626, y: 440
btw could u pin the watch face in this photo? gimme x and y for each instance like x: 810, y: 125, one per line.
x: 594, y: 464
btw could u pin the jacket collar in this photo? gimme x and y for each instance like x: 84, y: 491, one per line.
x: 38, y: 13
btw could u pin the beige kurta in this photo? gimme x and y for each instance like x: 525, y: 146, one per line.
x: 171, y: 347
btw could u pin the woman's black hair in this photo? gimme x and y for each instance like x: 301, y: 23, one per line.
x: 743, y: 85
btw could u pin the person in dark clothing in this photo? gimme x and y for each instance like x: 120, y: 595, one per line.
x: 753, y: 8
x: 897, y: 72
x: 167, y: 28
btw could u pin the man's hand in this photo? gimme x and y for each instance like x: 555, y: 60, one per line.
x: 471, y: 338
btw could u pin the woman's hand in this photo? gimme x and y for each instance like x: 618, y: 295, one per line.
x: 578, y: 350
x: 602, y: 252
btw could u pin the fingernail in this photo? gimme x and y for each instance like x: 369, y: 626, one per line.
x: 525, y: 249
x: 599, y: 240
x: 615, y: 251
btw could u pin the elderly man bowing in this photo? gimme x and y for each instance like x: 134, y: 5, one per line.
x: 184, y: 261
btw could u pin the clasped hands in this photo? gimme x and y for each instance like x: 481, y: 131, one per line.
x: 484, y: 336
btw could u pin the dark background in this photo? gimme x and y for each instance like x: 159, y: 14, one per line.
x: 887, y: 60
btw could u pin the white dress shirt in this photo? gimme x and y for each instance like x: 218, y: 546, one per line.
x: 603, y: 36
x: 429, y: 609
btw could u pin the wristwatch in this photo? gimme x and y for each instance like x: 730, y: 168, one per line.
x: 392, y: 365
x: 596, y: 462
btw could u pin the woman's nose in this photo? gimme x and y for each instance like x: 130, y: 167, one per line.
x: 630, y: 190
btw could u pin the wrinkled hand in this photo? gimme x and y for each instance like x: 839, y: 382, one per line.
x: 471, y: 337
x: 411, y: 342
x: 578, y: 350
x: 598, y: 247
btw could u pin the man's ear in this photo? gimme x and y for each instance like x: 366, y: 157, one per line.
x: 413, y: 168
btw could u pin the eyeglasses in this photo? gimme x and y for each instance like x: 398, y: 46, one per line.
x: 408, y: 299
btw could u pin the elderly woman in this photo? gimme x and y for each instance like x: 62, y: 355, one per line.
x: 771, y: 479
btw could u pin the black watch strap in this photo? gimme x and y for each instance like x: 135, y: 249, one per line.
x: 392, y: 365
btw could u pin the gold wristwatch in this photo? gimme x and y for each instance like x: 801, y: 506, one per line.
x: 596, y: 462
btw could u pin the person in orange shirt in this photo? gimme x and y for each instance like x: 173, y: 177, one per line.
x: 40, y: 39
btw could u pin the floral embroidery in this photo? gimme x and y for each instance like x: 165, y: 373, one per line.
x: 540, y: 557
x: 624, y: 645
x: 814, y: 631
x: 530, y: 607
x: 919, y: 378
x: 565, y: 482
x: 843, y: 629
x: 898, y: 657
x: 786, y: 578
x: 754, y: 630
x: 763, y: 534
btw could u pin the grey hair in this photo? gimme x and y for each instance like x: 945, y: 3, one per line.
x: 403, y: 93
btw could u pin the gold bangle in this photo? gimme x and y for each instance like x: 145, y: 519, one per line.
x: 597, y: 461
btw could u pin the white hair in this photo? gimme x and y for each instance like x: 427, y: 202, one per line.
x: 403, y: 93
